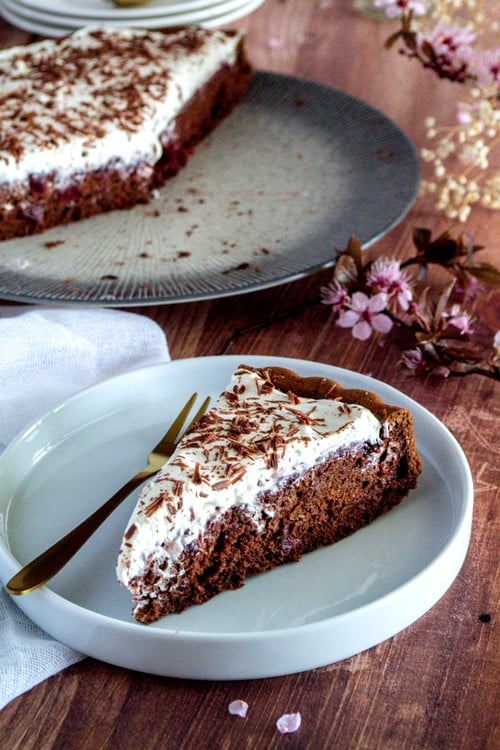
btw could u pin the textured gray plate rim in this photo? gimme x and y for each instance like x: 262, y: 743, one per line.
x: 266, y: 199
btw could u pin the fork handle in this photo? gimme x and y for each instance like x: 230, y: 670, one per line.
x: 50, y: 562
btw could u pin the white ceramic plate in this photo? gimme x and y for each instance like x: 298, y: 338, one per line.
x: 334, y: 603
x: 39, y: 21
x: 268, y: 197
x: 105, y: 10
x: 199, y: 16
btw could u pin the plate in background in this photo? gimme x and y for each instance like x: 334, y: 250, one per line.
x: 105, y: 10
x: 283, y: 182
x: 39, y: 20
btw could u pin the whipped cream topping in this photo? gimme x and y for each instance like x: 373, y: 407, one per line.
x: 254, y: 439
x: 100, y: 94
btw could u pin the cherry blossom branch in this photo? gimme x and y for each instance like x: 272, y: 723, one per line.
x: 379, y: 297
x: 448, y: 37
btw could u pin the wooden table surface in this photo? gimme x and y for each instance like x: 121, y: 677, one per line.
x: 434, y: 685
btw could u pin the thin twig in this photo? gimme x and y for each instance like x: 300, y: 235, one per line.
x: 290, y: 312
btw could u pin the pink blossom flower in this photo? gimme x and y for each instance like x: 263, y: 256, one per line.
x: 467, y: 288
x: 452, y: 47
x: 414, y: 360
x: 275, y: 43
x: 365, y: 314
x: 459, y: 319
x: 289, y: 723
x: 447, y: 39
x: 485, y: 66
x: 396, y: 8
x: 441, y: 371
x: 385, y: 275
x: 496, y: 344
x: 238, y: 708
x: 336, y: 295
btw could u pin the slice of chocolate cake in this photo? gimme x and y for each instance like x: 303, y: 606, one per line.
x: 97, y: 120
x: 280, y: 466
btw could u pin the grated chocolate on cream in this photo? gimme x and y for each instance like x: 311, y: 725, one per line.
x: 99, y: 94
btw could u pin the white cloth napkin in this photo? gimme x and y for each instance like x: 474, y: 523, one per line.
x: 47, y: 354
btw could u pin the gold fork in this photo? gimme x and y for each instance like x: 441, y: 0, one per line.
x: 50, y: 562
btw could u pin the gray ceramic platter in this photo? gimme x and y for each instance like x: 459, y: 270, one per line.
x: 267, y: 198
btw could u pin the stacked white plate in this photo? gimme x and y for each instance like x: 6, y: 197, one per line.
x: 59, y: 17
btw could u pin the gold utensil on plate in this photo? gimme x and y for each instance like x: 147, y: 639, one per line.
x: 50, y: 562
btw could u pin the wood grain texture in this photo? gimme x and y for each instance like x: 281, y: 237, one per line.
x: 433, y: 686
